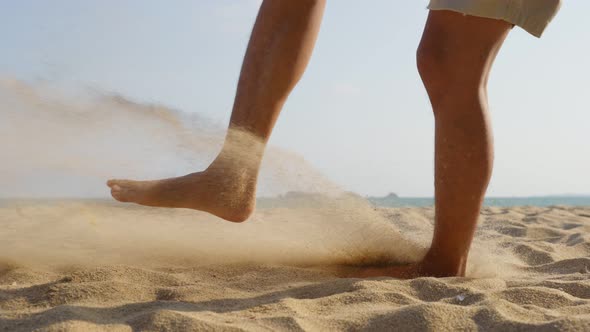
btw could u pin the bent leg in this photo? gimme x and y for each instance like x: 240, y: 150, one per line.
x: 278, y: 52
x: 454, y: 59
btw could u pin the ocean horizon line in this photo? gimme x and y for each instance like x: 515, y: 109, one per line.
x: 310, y: 193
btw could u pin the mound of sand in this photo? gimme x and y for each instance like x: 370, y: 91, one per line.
x: 529, y: 271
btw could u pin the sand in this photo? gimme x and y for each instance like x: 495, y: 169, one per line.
x: 98, y: 266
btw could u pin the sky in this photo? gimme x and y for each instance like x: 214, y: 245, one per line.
x: 360, y: 114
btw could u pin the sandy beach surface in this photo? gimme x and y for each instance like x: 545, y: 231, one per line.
x: 98, y: 266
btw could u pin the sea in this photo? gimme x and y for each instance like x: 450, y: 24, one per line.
x: 489, y: 201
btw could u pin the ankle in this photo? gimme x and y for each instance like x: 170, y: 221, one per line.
x: 241, y: 150
x: 439, y: 264
x: 234, y: 168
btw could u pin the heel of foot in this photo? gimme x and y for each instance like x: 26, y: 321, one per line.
x: 239, y: 215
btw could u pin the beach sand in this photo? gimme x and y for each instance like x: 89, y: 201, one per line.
x: 98, y: 266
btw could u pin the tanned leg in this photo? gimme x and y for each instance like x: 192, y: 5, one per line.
x: 278, y: 52
x: 454, y: 59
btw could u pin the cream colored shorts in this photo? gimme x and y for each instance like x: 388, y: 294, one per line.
x: 531, y: 15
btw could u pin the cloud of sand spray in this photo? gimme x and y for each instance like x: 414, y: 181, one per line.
x: 102, y: 136
x: 60, y: 146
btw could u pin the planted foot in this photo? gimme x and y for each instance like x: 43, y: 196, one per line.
x: 425, y: 268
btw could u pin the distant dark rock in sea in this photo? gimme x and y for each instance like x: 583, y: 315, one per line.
x: 388, y: 197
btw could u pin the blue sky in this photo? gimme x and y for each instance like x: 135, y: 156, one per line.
x: 360, y: 113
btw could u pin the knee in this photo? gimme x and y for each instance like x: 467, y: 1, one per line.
x: 434, y: 65
x: 445, y: 71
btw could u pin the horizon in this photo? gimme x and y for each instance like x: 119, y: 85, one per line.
x: 582, y: 195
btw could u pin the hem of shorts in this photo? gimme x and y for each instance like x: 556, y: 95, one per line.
x: 505, y: 14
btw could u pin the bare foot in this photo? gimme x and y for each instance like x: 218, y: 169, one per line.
x: 227, y: 192
x: 424, y: 268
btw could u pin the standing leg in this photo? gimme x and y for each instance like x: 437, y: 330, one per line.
x: 454, y: 59
x: 278, y: 52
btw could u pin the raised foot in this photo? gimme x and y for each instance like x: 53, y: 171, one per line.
x: 228, y: 196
